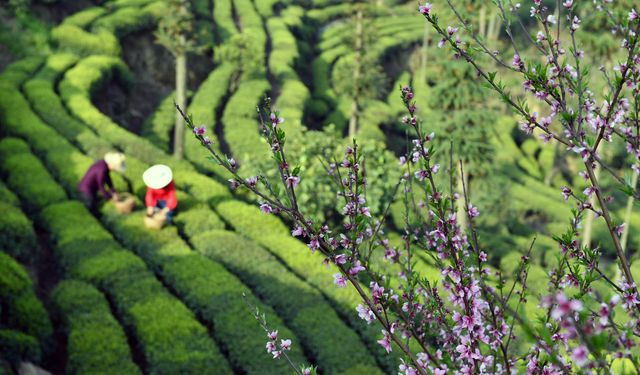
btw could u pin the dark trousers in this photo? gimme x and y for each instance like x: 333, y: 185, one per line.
x: 90, y: 201
x: 162, y: 204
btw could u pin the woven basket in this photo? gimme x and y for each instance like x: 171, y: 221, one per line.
x: 125, y: 203
x: 156, y: 221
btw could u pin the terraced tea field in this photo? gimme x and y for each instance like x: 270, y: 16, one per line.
x: 84, y: 293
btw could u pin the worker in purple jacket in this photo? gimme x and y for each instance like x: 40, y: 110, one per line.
x: 97, y: 179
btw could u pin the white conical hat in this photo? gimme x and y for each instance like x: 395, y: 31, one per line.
x: 157, y: 176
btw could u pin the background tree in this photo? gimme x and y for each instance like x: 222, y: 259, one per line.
x: 359, y: 75
x: 458, y: 114
x: 176, y: 33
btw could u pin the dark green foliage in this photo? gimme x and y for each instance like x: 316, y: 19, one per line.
x: 269, y: 232
x: 84, y: 17
x: 76, y: 90
x: 24, y: 310
x: 7, y: 196
x: 242, y: 129
x: 37, y: 189
x: 170, y: 337
x: 74, y: 39
x: 209, y: 290
x: 158, y: 127
x: 16, y: 346
x: 124, y: 21
x: 302, y: 306
x: 198, y: 220
x: 95, y: 341
x: 203, y: 108
x: 16, y: 231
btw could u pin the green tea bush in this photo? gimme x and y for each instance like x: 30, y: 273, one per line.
x: 170, y: 337
x: 17, y: 346
x: 37, y: 189
x: 7, y: 196
x: 241, y: 130
x: 74, y: 39
x: 96, y: 343
x: 223, y: 19
x: 124, y: 21
x: 303, y: 308
x: 198, y: 220
x: 84, y: 17
x: 269, y: 232
x: 158, y: 127
x: 209, y: 290
x: 24, y: 311
x: 203, y: 107
x: 16, y: 231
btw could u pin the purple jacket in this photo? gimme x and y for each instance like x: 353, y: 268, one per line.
x: 95, y: 179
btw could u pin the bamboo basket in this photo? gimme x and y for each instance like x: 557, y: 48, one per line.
x: 156, y: 221
x: 125, y: 203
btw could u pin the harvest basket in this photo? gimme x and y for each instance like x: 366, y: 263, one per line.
x: 125, y: 203
x: 156, y: 221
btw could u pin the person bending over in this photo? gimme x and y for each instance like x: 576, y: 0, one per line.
x: 161, y: 191
x: 97, y: 179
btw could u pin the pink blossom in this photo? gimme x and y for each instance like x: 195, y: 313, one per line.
x: 566, y: 193
x: 314, y: 244
x: 207, y: 141
x: 517, y: 62
x: 356, y: 268
x: 633, y: 15
x: 276, y: 354
x: 339, y: 280
x: 275, y: 120
x: 233, y: 184
x: 293, y: 181
x: 565, y: 306
x: 285, y: 344
x: 271, y: 346
x: 580, y: 355
x: 265, y: 208
x: 365, y: 313
x: 199, y: 130
x: 273, y: 335
x: 297, y: 231
x: 567, y: 4
x: 425, y: 9
x: 385, y: 342
x: 252, y: 181
x: 589, y: 191
x: 473, y: 211
x: 421, y: 175
x: 232, y: 163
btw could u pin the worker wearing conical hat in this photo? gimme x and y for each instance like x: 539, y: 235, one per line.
x: 97, y: 179
x: 161, y: 191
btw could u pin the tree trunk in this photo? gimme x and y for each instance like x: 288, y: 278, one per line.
x: 588, y: 222
x: 355, y: 105
x: 627, y: 215
x: 461, y: 214
x: 425, y: 48
x: 482, y: 22
x: 181, y: 89
x: 557, y: 159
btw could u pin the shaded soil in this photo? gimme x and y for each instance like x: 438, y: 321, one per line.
x: 55, y: 12
x: 46, y: 275
x: 152, y: 67
x: 5, y: 57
